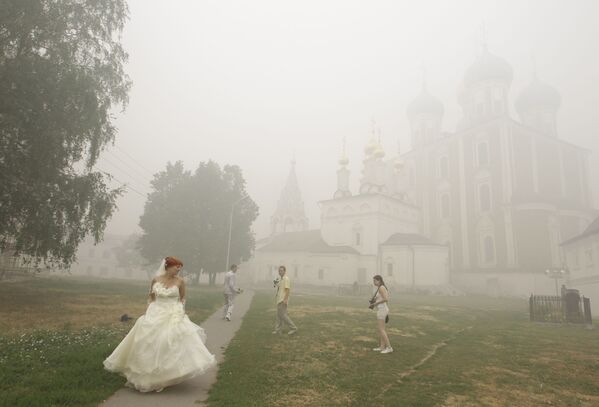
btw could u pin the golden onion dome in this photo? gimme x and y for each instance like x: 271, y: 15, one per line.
x: 343, y: 161
x: 379, y: 152
x: 370, y: 147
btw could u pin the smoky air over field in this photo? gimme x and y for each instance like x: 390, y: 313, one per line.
x: 201, y: 199
x: 259, y: 83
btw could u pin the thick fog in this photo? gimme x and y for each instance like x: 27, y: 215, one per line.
x: 256, y: 83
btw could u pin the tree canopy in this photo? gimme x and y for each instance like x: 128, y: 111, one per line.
x: 61, y: 75
x: 187, y: 216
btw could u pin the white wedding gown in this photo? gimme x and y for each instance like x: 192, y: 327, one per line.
x: 163, y: 348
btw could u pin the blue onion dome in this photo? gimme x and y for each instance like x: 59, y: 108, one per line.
x: 425, y: 103
x: 488, y: 67
x: 538, y: 95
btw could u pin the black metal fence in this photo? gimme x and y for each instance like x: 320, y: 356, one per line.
x: 570, y: 307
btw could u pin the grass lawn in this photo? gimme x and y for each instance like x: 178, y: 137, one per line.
x: 55, y: 333
x: 449, y: 351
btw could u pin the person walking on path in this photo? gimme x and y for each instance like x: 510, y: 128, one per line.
x: 283, y: 285
x: 164, y: 347
x: 230, y: 292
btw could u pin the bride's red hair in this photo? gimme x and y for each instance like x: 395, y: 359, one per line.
x: 172, y: 261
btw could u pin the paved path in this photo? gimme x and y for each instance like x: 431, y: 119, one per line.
x: 194, y: 391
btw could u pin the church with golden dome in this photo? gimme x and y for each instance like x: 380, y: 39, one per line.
x: 481, y: 209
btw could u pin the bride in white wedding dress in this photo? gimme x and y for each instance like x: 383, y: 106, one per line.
x: 164, y: 347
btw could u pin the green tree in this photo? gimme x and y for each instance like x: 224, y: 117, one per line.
x: 61, y: 74
x: 187, y: 216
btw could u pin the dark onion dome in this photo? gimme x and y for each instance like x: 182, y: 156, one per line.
x: 425, y: 103
x: 488, y: 67
x: 538, y: 95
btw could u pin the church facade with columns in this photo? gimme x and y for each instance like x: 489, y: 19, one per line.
x: 501, y: 192
x: 483, y: 208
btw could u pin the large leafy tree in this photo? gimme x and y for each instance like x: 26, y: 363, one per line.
x: 188, y: 215
x: 61, y: 74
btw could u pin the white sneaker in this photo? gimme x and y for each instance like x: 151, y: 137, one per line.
x: 378, y: 349
x: 275, y: 332
x: 387, y: 350
x: 292, y: 332
x: 228, y: 318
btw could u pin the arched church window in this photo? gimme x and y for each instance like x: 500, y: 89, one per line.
x: 484, y: 197
x: 489, y: 250
x: 358, y: 239
x: 498, y: 106
x: 445, y: 206
x: 288, y: 225
x: 449, y: 253
x: 479, y: 109
x: 389, y: 269
x: 482, y: 154
x: 444, y: 167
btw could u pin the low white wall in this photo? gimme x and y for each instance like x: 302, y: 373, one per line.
x: 505, y: 284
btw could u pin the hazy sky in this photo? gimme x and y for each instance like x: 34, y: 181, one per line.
x: 254, y: 82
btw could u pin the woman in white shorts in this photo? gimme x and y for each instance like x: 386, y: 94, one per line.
x: 379, y: 301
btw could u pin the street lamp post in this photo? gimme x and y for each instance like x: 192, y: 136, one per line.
x: 556, y: 274
x: 231, y: 227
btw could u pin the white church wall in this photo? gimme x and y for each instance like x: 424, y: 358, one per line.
x: 312, y: 268
x: 419, y: 266
x: 504, y: 284
x: 364, y: 222
x: 582, y: 259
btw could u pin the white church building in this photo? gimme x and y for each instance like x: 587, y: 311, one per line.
x: 484, y: 208
x: 373, y: 232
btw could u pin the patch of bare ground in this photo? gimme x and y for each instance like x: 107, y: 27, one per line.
x: 328, y: 396
x: 305, y: 310
x: 432, y: 352
x: 408, y: 332
x: 419, y: 316
x: 362, y: 338
x: 431, y: 308
x: 489, y: 393
x: 74, y: 312
x: 491, y: 390
x: 458, y: 401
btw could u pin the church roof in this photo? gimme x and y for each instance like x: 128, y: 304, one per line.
x: 425, y: 103
x: 306, y: 241
x: 407, y: 239
x: 488, y: 67
x: 290, y: 203
x: 537, y: 95
x: 591, y: 230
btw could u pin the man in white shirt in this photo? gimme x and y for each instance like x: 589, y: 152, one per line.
x: 283, y: 288
x: 230, y: 291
